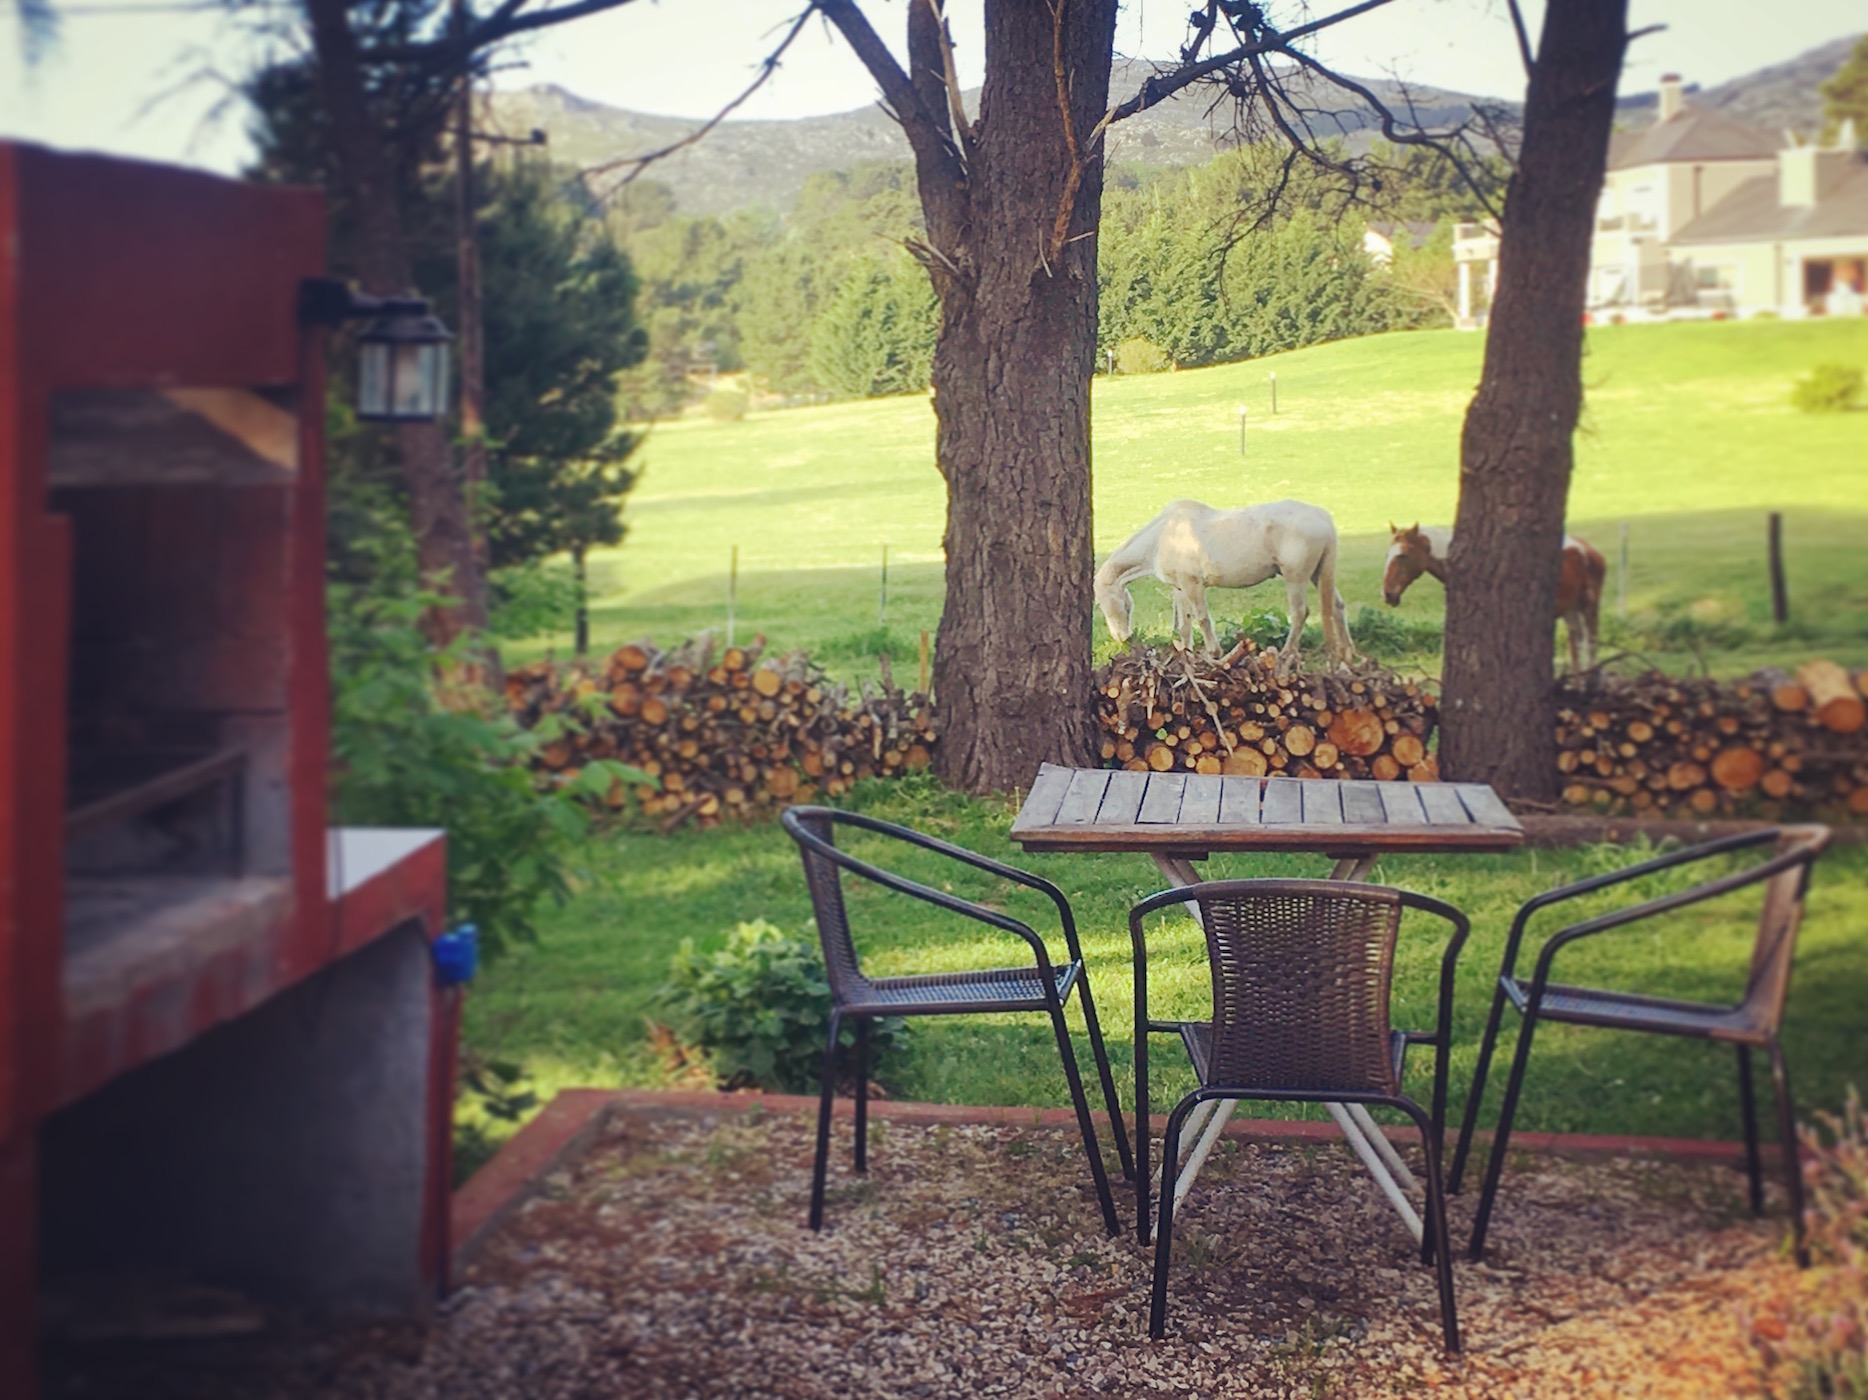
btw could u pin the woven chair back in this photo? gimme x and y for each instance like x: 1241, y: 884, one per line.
x: 825, y: 880
x: 1301, y: 976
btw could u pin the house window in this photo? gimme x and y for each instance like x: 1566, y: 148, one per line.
x: 1719, y: 277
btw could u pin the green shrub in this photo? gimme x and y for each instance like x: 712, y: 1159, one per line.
x: 1828, y: 389
x: 759, y: 1007
x: 728, y: 405
x: 1139, y: 355
x: 1382, y: 632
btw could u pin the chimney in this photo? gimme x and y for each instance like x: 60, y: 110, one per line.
x: 1672, y: 96
x: 1806, y: 174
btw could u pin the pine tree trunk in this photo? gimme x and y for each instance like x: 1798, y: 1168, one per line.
x: 437, y: 506
x: 1499, y: 710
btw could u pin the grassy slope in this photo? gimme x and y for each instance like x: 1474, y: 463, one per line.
x: 1688, y: 436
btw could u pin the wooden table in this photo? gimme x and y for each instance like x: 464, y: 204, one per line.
x: 1179, y: 818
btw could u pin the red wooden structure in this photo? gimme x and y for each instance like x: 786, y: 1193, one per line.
x: 222, y: 1056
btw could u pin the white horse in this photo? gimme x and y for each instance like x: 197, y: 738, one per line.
x: 1193, y: 547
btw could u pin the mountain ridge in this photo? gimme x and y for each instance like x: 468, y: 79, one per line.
x: 743, y: 163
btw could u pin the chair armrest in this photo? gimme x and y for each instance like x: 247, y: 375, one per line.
x: 1689, y: 856
x: 1804, y: 854
x: 911, y: 837
x: 940, y: 898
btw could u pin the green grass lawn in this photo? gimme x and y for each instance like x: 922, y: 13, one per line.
x: 1688, y: 437
x: 573, y: 1009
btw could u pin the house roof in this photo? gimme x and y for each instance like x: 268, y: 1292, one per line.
x: 1695, y: 133
x: 1416, y: 231
x: 1751, y: 213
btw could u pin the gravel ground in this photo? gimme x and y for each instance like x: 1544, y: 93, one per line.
x: 671, y: 1261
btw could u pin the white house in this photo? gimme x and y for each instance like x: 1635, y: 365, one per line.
x: 1702, y: 216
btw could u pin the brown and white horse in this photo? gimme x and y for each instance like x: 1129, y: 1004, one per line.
x: 1415, y: 551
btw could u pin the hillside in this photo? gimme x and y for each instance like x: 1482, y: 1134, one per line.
x: 1684, y: 429
x: 745, y: 163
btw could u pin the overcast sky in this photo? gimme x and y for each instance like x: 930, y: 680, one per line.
x: 154, y: 78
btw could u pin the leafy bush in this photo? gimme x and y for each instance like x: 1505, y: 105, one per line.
x: 760, y: 1007
x: 1382, y: 632
x: 1139, y: 355
x: 728, y: 405
x: 1819, y: 1351
x: 1828, y: 389
x: 532, y: 598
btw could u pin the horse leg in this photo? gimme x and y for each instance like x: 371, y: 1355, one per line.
x: 1196, y: 607
x: 1183, y: 618
x: 1571, y: 625
x: 1299, y: 606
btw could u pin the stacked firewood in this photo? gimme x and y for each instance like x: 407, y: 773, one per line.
x: 725, y: 731
x: 1173, y: 710
x: 1667, y: 746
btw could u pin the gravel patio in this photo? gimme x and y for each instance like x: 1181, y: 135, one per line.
x: 670, y: 1261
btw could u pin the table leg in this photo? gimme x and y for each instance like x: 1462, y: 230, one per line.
x: 1371, y: 1159
x: 1353, y: 868
x: 1180, y: 873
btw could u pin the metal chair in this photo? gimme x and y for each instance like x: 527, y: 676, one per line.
x: 1042, y: 986
x: 1301, y: 978
x: 1752, y: 1023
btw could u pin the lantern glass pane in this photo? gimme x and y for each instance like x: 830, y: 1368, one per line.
x: 373, y: 366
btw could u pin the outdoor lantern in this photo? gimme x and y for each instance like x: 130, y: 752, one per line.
x: 402, y: 370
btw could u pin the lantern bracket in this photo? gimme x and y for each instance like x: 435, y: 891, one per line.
x: 325, y: 301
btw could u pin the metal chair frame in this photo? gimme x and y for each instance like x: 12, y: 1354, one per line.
x: 1751, y: 1023
x: 1435, y: 1248
x: 861, y: 999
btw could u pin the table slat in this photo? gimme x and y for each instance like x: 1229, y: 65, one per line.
x: 1122, y: 803
x: 1161, y: 803
x: 1045, y: 797
x: 1442, y: 805
x: 1485, y: 805
x: 1323, y: 801
x: 1282, y: 803
x: 1200, y: 799
x: 1238, y: 801
x: 1083, y: 798
x: 1401, y: 803
x: 1362, y: 803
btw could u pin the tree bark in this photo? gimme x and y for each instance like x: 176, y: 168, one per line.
x: 437, y: 507
x: 1499, y: 710
x: 1012, y: 205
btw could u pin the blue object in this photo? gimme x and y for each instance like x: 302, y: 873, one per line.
x: 457, y: 956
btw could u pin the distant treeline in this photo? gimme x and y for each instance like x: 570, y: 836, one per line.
x: 1240, y: 257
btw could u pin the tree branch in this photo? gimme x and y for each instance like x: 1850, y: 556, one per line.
x: 637, y: 164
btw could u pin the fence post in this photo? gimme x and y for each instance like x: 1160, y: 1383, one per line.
x: 1780, y: 602
x: 1242, y: 430
x: 882, y: 600
x: 924, y: 663
x: 1274, y: 391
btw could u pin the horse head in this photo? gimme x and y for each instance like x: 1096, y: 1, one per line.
x: 1408, y: 553
x: 1113, y: 598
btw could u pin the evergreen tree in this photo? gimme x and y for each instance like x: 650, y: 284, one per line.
x: 876, y: 334
x: 1845, y: 93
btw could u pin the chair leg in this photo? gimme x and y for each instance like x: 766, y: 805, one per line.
x: 1501, y: 1138
x: 1477, y: 1093
x: 1110, y: 1101
x: 1091, y: 1148
x: 1436, y: 1248
x: 1787, y: 1130
x: 1143, y: 1176
x: 827, y: 1085
x: 862, y: 1094
x: 1748, y: 1109
x: 1164, y: 1225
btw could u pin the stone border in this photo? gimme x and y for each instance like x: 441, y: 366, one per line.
x: 567, y: 1126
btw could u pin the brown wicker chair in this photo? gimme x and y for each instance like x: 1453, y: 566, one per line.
x: 1301, y: 975
x: 1752, y: 1023
x: 1041, y: 986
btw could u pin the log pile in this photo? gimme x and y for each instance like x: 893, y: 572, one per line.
x: 726, y: 731
x: 1173, y: 710
x: 1659, y: 746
